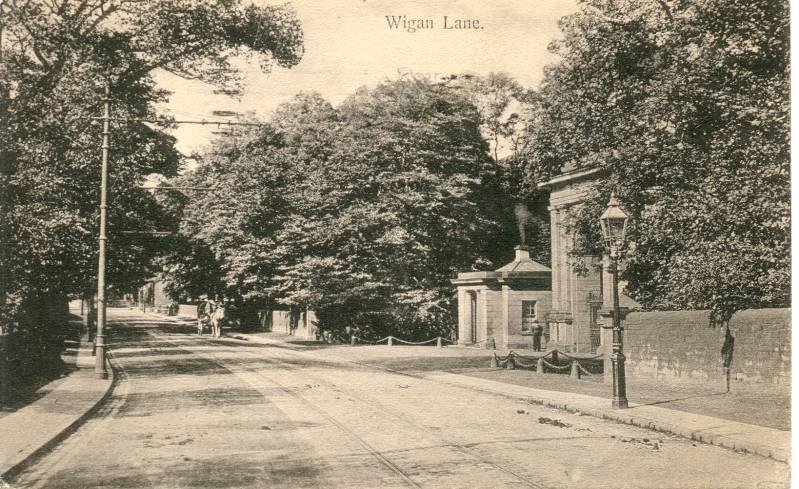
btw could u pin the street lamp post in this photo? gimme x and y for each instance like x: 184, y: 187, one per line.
x: 100, y: 368
x: 614, y: 227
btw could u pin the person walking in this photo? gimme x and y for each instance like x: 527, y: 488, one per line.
x: 203, y: 312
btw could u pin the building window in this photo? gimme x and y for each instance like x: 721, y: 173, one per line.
x: 529, y: 315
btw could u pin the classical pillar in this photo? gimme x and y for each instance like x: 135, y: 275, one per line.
x: 484, y: 314
x: 554, y: 220
x: 505, y: 326
x: 463, y: 305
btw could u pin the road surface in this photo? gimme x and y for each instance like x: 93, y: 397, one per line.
x: 192, y: 412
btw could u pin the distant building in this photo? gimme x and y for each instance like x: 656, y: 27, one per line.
x: 504, y: 305
x: 292, y: 321
x: 153, y: 297
x: 567, y: 300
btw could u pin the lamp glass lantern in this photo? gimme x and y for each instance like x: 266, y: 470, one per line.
x: 614, y: 225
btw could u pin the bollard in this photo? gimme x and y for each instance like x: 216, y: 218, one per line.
x: 390, y: 341
x: 511, y: 361
x: 539, y: 366
x: 439, y: 343
x: 575, y: 373
x: 494, y: 362
x: 352, y: 340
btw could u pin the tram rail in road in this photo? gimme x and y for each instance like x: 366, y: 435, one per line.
x: 193, y: 412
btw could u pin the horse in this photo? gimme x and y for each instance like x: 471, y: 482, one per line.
x: 217, y: 318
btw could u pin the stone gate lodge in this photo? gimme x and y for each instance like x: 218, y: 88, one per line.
x: 502, y: 307
x: 505, y: 305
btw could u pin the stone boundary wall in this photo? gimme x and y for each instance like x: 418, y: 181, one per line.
x: 187, y: 310
x: 278, y: 321
x: 679, y: 346
x: 281, y: 321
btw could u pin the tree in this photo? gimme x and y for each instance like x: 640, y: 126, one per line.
x: 230, y: 230
x: 362, y: 212
x: 57, y: 58
x: 520, y: 209
x: 401, y: 213
x: 684, y: 103
x: 498, y: 98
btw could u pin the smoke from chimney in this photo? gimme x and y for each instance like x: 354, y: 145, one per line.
x: 522, y: 217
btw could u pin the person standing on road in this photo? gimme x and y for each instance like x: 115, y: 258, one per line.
x: 203, y: 312
x: 726, y: 354
x: 537, y: 331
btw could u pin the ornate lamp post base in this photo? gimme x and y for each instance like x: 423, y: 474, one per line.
x: 619, y: 382
x: 617, y: 356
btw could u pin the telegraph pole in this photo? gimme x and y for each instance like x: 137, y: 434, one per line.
x: 6, y: 167
x: 100, y: 368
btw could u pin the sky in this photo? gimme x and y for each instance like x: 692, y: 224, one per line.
x: 349, y: 44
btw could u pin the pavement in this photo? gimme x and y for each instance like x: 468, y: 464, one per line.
x: 61, y: 407
x: 767, y: 442
x: 742, y: 437
x: 65, y: 404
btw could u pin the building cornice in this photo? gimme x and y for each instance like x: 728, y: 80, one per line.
x: 570, y: 176
x: 534, y: 280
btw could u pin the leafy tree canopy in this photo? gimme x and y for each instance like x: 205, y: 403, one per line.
x: 685, y: 104
x: 521, y: 209
x: 57, y: 57
x: 361, y: 211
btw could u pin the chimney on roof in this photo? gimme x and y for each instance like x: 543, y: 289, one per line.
x: 522, y: 253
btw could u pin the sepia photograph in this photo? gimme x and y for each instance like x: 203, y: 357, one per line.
x: 438, y: 244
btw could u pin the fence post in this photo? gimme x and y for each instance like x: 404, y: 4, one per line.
x: 539, y: 366
x: 511, y: 361
x: 439, y: 343
x: 575, y: 373
x: 390, y: 341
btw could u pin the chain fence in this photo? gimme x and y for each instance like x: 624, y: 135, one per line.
x: 488, y: 344
x: 551, y: 362
x: 439, y: 341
